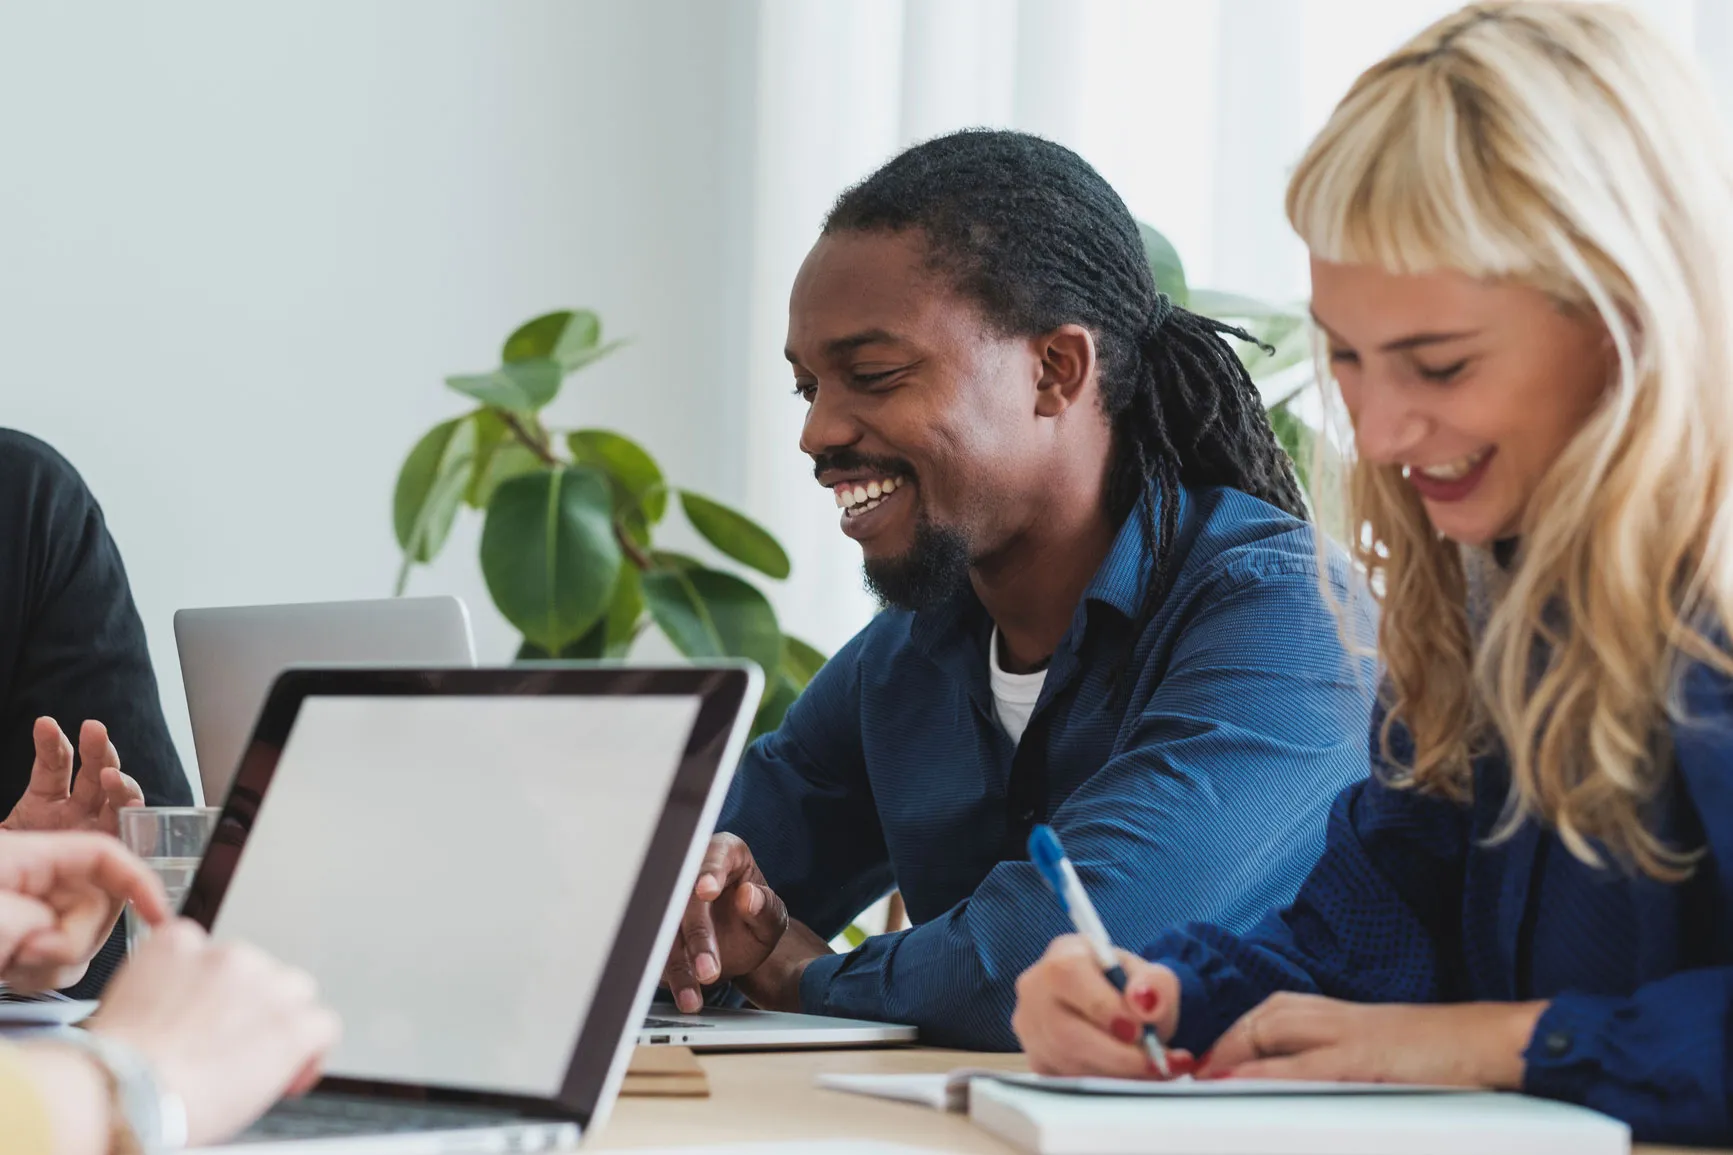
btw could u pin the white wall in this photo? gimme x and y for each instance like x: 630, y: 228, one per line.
x: 240, y: 244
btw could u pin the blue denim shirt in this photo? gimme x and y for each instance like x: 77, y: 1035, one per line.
x: 1199, y: 792
x: 1410, y: 903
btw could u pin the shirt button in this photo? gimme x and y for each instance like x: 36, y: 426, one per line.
x: 1556, y: 1043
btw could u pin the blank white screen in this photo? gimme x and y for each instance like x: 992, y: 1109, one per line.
x: 453, y: 871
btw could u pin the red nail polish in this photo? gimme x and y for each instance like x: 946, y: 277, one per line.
x: 1146, y: 1000
x: 1178, y: 1065
x: 1124, y: 1030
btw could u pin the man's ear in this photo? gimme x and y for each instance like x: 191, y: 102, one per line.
x: 1068, y: 369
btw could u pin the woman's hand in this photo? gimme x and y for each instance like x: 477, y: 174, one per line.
x: 60, y: 895
x: 224, y: 1026
x: 1290, y: 1036
x: 1072, y: 1022
x: 53, y: 801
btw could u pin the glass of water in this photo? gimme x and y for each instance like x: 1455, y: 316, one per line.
x: 171, y: 840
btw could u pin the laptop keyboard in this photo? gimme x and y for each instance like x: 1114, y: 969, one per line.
x: 652, y: 1023
x: 322, y: 1116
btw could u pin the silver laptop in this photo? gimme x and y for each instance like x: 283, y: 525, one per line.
x: 483, y: 869
x: 230, y: 655
x: 725, y: 1028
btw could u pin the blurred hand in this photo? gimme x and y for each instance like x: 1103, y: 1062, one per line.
x: 60, y: 895
x: 1072, y: 1022
x: 224, y: 1026
x: 733, y: 921
x: 53, y: 802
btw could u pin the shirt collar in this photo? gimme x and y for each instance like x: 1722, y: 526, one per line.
x: 1119, y: 583
x: 1125, y: 571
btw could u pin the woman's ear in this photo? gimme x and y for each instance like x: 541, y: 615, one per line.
x: 1068, y: 369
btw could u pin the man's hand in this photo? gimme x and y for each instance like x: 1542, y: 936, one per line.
x: 775, y: 984
x: 59, y: 897
x: 733, y: 921
x: 53, y: 802
x: 1291, y: 1036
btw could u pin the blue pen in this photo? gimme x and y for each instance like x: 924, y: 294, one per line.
x: 1049, y: 858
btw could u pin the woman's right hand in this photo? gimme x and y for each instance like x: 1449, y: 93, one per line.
x: 223, y: 1025
x: 1072, y: 1022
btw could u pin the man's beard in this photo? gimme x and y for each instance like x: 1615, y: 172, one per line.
x: 926, y: 575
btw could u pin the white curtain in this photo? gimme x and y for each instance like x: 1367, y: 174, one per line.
x: 1194, y: 109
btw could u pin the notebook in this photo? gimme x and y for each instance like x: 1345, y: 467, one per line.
x: 1485, y: 1123
x: 950, y: 1091
x: 1048, y: 1116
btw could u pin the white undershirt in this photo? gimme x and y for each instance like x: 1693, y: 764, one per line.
x: 1014, y: 695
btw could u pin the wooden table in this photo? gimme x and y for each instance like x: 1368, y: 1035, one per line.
x: 770, y: 1096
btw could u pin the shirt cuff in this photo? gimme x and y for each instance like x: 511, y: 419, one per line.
x: 1565, y: 1054
x: 1198, y: 1030
x: 815, y: 984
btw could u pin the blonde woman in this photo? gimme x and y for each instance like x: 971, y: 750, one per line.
x: 1521, y: 228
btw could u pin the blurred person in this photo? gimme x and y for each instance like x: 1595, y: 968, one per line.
x: 193, y: 1041
x: 72, y: 649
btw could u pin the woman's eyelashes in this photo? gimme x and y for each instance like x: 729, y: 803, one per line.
x: 1435, y: 374
x: 1441, y: 374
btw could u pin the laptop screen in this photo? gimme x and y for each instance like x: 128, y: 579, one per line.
x: 454, y: 869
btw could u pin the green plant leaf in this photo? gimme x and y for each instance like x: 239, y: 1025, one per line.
x: 799, y: 661
x: 735, y: 534
x: 1164, y: 262
x: 430, y: 487
x: 668, y: 559
x: 710, y: 614
x: 506, y: 462
x: 572, y: 338
x: 853, y: 935
x: 498, y: 455
x: 521, y: 388
x: 625, y: 617
x: 549, y: 554
x: 629, y: 465
x: 677, y: 611
x: 1237, y: 306
x: 771, y: 710
x: 490, y: 434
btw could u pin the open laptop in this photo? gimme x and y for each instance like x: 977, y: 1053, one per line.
x: 741, y: 1029
x: 231, y: 655
x: 484, y: 869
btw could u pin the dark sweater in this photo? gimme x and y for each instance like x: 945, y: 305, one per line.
x: 71, y: 643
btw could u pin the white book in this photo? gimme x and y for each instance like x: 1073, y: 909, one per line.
x: 1484, y: 1123
x: 1049, y: 1116
x: 950, y: 1091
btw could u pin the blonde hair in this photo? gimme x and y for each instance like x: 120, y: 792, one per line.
x: 1563, y: 146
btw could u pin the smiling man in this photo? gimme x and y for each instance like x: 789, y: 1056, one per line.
x: 1103, y: 611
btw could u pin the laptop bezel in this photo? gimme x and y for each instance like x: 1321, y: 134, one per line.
x: 615, y: 1010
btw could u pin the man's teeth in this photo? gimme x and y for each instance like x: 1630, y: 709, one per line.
x: 1449, y: 470
x: 865, y: 495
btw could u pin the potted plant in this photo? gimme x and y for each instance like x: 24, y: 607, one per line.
x: 568, y: 544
